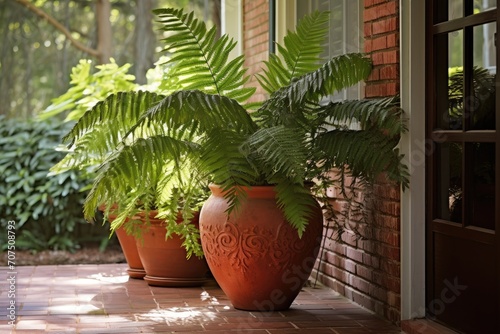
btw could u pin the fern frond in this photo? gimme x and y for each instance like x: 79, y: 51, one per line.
x: 279, y: 150
x: 201, y: 60
x: 117, y: 113
x: 296, y: 203
x: 197, y: 111
x: 384, y: 114
x: 300, y: 53
x: 138, y: 166
x: 366, y: 154
x: 338, y: 73
x: 224, y: 163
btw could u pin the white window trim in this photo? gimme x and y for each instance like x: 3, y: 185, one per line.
x: 232, y: 24
x: 412, y: 18
x: 286, y: 17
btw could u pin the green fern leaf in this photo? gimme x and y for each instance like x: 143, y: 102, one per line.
x: 296, y: 203
x: 201, y: 60
x: 123, y: 109
x: 283, y: 151
x: 198, y: 111
x: 224, y: 163
x: 384, y: 114
x: 338, y: 73
x: 366, y: 154
x: 300, y: 53
x: 138, y: 166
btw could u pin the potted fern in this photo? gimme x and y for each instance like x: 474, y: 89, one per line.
x: 276, y: 155
x: 134, y: 213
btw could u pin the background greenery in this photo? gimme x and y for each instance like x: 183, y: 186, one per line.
x: 47, y: 210
x: 36, y: 59
x: 37, y: 65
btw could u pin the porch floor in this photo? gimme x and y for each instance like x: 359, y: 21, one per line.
x: 102, y: 299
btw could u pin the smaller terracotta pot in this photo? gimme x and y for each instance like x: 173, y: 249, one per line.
x: 129, y: 248
x: 165, y: 260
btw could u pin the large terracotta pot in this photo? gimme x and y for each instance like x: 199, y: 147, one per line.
x: 165, y: 260
x: 255, y: 255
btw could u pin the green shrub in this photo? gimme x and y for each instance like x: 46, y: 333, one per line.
x: 47, y: 210
x: 89, y: 86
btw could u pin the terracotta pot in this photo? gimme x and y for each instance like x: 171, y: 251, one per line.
x: 129, y: 248
x: 255, y: 255
x: 165, y: 259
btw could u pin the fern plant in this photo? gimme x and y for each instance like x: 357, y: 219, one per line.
x: 204, y: 133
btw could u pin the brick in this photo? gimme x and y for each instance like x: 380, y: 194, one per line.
x: 385, y: 57
x: 393, y: 315
x: 388, y: 251
x: 354, y: 254
x: 256, y: 20
x: 368, y: 46
x: 374, y: 75
x: 387, y: 191
x: 379, y: 293
x: 390, y: 283
x: 382, y: 89
x: 368, y: 3
x: 349, y: 239
x: 371, y: 260
x: 335, y: 247
x: 388, y: 207
x: 339, y: 274
x: 390, y: 237
x: 391, y: 57
x: 362, y: 300
x: 367, y: 29
x: 364, y: 272
x: 392, y: 268
x: 390, y: 24
x: 350, y: 266
x: 379, y: 11
x: 394, y: 299
x: 334, y: 259
x: 386, y: 221
x: 393, y: 40
x: 250, y: 5
x: 379, y: 43
x: 360, y: 284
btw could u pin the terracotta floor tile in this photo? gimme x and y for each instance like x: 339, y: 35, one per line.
x: 102, y: 299
x: 296, y: 331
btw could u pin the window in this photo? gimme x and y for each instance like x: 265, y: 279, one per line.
x: 346, y: 33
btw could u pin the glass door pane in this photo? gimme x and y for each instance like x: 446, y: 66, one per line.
x: 484, y: 5
x: 484, y: 71
x: 450, y: 81
x: 450, y: 176
x: 481, y: 196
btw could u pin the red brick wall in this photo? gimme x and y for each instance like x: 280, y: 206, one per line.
x: 255, y: 40
x: 368, y: 271
x: 381, y: 28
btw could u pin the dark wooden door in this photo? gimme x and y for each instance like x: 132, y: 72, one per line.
x: 463, y: 205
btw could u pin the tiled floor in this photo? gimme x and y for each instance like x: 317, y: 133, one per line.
x: 102, y: 299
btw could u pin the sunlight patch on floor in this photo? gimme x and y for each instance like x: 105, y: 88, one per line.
x: 179, y: 315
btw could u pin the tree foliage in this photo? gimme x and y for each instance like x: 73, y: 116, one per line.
x: 36, y: 59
